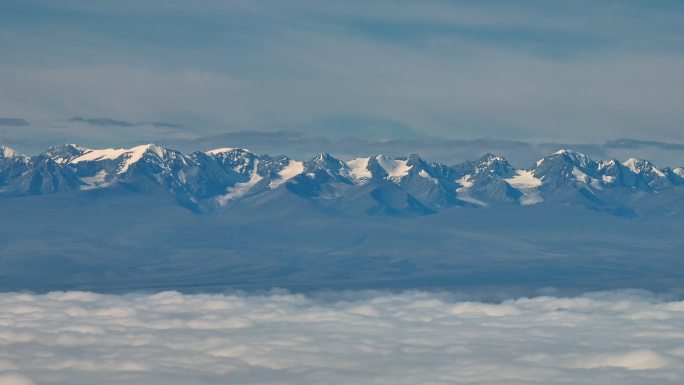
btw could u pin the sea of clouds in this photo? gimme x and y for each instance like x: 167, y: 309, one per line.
x: 619, y: 337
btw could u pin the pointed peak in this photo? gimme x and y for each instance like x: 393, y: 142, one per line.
x: 325, y: 162
x: 222, y: 150
x: 607, y: 164
x: 567, y: 153
x: 394, y: 168
x: 69, y: 146
x: 564, y: 151
x: 639, y: 166
x: 64, y: 153
x: 575, y: 157
x: 323, y: 156
x: 634, y: 162
x: 414, y: 159
x: 150, y: 147
x: 491, y: 158
x: 225, y: 150
x: 570, y: 154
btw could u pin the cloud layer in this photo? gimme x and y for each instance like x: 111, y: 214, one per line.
x: 624, y: 337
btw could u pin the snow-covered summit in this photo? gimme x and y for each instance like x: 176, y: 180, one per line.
x: 395, y: 168
x: 225, y: 150
x: 639, y: 166
x: 230, y: 175
x: 7, y: 152
x: 126, y: 156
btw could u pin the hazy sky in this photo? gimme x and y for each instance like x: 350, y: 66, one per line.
x: 524, y: 70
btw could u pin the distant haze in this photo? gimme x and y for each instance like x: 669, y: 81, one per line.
x: 582, y: 71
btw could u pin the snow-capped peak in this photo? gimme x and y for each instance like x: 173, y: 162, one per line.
x: 602, y: 165
x: 489, y: 159
x: 6, y: 152
x: 679, y: 171
x: 325, y: 160
x: 395, y: 168
x: 357, y: 169
x: 638, y: 166
x: 633, y: 164
x: 576, y: 157
x: 64, y: 154
x: 225, y: 150
x: 131, y: 155
x: 492, y: 165
x: 228, y: 174
x: 293, y: 168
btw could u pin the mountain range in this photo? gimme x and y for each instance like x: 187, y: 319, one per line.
x: 378, y: 185
x: 151, y: 218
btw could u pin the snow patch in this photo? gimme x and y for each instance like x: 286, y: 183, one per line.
x: 679, y: 172
x: 631, y: 164
x: 524, y: 179
x: 7, y: 152
x: 131, y: 155
x: 395, y: 168
x: 525, y: 182
x: 580, y: 175
x: 424, y: 174
x: 95, y: 155
x: 358, y: 169
x: 240, y: 189
x: 95, y: 181
x: 607, y: 164
x: 463, y: 193
x: 638, y: 166
x: 292, y: 169
x: 465, y: 181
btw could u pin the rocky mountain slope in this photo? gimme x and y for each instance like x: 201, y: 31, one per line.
x: 377, y: 185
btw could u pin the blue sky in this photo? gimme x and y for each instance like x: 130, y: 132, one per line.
x: 522, y: 70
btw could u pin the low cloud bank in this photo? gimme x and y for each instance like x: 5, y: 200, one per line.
x: 626, y: 337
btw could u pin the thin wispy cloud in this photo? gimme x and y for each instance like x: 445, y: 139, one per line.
x: 120, y: 123
x: 14, y: 122
x: 72, y: 338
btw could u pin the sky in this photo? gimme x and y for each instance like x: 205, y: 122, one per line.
x: 76, y: 338
x: 102, y: 73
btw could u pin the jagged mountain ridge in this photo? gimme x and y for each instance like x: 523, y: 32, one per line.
x: 212, y: 180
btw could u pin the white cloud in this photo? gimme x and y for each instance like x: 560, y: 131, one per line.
x: 625, y: 337
x: 14, y: 379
